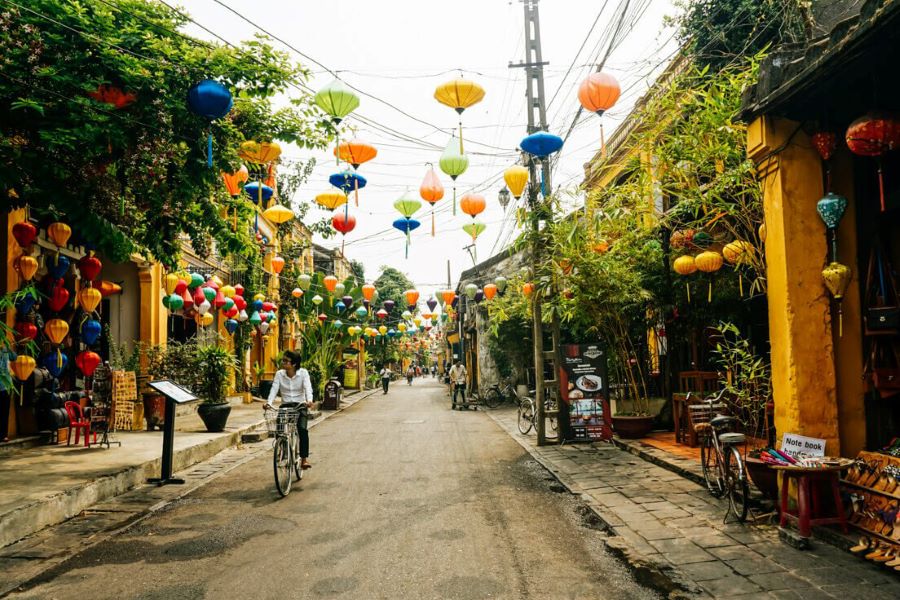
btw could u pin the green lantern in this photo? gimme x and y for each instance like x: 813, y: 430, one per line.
x: 474, y: 229
x: 454, y: 163
x: 304, y: 282
x: 339, y: 289
x: 471, y: 290
x: 337, y: 324
x: 209, y: 294
x: 196, y: 279
x: 255, y: 319
x: 500, y: 282
x: 406, y: 205
x: 337, y: 100
x: 317, y: 300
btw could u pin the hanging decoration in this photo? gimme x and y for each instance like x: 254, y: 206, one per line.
x: 709, y: 262
x: 684, y: 266
x: 598, y: 93
x: 459, y: 95
x: 873, y: 135
x: 343, y: 224
x: 89, y: 298
x: 277, y: 266
x: 368, y: 292
x: 431, y: 191
x: 474, y: 229
x: 27, y: 266
x: 337, y: 101
x: 22, y: 368
x: 490, y: 290
x: 211, y: 100
x: 25, y: 234
x: 110, y: 94
x: 500, y: 282
x: 234, y: 182
x: 738, y: 253
x: 348, y: 181
x: 406, y: 205
x: 87, y: 361
x: 259, y: 193
x: 331, y: 199
x: 453, y: 163
x: 59, y: 234
x: 825, y: 143
x: 470, y: 290
x: 516, y: 178
x: 831, y: 209
x: 356, y: 152
x: 412, y: 298
x: 837, y: 278
x: 541, y: 145
x: 259, y: 153
x: 278, y: 214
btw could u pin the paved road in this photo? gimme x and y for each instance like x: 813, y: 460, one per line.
x: 406, y: 499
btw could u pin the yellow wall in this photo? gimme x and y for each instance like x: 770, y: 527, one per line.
x: 803, y: 372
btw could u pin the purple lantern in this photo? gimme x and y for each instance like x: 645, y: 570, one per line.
x: 479, y: 295
x: 389, y: 305
x: 348, y: 301
x: 432, y: 304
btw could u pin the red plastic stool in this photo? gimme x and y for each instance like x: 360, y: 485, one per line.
x: 809, y: 501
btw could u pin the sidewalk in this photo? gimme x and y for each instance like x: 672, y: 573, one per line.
x: 669, y: 528
x: 46, y: 485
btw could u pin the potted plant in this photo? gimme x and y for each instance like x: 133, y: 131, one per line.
x: 214, y: 365
x: 154, y: 369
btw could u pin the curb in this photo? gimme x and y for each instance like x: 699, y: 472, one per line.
x: 634, y: 448
x: 30, y: 518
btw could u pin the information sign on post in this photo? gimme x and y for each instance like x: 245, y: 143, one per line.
x: 175, y: 394
x: 585, y: 389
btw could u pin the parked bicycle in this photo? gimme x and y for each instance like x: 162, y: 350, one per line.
x: 281, y: 423
x: 722, y: 460
x: 496, y: 395
x: 528, y: 412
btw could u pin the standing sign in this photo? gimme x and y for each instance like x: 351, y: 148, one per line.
x: 175, y: 394
x: 585, y: 389
x: 351, y: 368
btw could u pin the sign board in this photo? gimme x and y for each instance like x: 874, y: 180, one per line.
x: 174, y: 391
x: 351, y: 368
x: 586, y: 390
x: 795, y: 445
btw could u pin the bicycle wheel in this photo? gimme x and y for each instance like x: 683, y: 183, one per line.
x: 295, y: 456
x: 526, y: 415
x: 492, y: 398
x: 281, y: 459
x: 738, y: 487
x: 712, y: 472
x: 551, y: 411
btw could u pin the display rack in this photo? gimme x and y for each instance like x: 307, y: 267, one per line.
x: 872, y: 505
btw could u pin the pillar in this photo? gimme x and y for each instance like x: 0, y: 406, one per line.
x: 803, y: 372
x: 154, y: 316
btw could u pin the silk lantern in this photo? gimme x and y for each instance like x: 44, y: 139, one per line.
x: 738, y: 253
x: 831, y: 209
x: 474, y: 229
x: 87, y: 361
x: 516, y: 177
x: 277, y: 264
x: 431, y: 191
x: 490, y: 290
x: 56, y: 331
x: 211, y: 100
x: 685, y: 265
x: 25, y: 330
x: 598, y: 93
x: 344, y: 224
x: 278, y: 214
x: 22, y: 368
x: 59, y: 234
x: 89, y: 298
x: 412, y: 297
x: 57, y: 266
x: 234, y: 181
x: 454, y: 163
x: 89, y: 267
x: 26, y: 266
x: 90, y: 331
x: 837, y: 278
x: 25, y: 233
x: 331, y: 199
x: 459, y: 94
x: 709, y: 262
x: 259, y: 153
x: 873, y: 135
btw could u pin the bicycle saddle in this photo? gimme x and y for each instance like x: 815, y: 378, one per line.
x: 732, y: 438
x: 721, y: 420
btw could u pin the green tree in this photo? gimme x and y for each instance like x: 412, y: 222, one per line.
x: 133, y: 177
x: 391, y: 285
x: 359, y: 272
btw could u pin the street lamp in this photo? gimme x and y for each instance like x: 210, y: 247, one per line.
x: 503, y: 196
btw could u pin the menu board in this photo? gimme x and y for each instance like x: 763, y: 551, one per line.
x: 586, y: 390
x: 351, y: 368
x: 173, y: 390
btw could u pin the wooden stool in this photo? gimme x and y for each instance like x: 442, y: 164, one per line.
x: 809, y: 500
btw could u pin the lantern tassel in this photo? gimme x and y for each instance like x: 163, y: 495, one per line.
x: 59, y: 359
x: 741, y: 283
x: 840, y: 320
x: 432, y: 220
x: 460, y: 134
x: 209, y: 152
x: 834, y: 245
x: 881, y: 185
x: 602, y: 142
x: 688, y: 286
x: 356, y: 191
x: 709, y: 294
x: 343, y: 239
x: 454, y: 196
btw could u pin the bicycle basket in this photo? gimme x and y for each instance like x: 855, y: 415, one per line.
x: 282, y: 420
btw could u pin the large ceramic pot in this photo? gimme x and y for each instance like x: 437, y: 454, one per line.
x: 632, y: 428
x: 154, y: 409
x: 214, y: 415
x: 764, y: 477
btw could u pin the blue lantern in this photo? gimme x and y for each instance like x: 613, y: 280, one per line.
x: 231, y: 326
x: 58, y: 266
x: 541, y: 144
x: 25, y: 303
x: 337, y: 324
x: 361, y: 312
x: 258, y: 192
x: 347, y: 181
x: 340, y: 306
x: 55, y: 362
x: 257, y: 305
x: 391, y: 332
x: 90, y: 331
x: 406, y: 225
x: 212, y: 100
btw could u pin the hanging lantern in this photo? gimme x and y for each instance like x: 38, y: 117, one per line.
x: 361, y: 312
x: 317, y: 299
x: 90, y: 331
x: 447, y: 296
x: 56, y: 331
x: 340, y: 306
x: 89, y: 267
x: 26, y: 266
x: 331, y: 199
x: 412, y: 297
x: 598, y: 93
x: 709, y: 262
x: 235, y: 181
x: 763, y: 232
x: 381, y: 314
x: 296, y: 292
x: 516, y: 177
x: 304, y: 281
x: 26, y: 331
x: 330, y: 282
x: 348, y: 181
x: 89, y: 299
x: 87, y: 361
x: 231, y: 326
x: 738, y: 253
x: 322, y: 317
x: 259, y: 153
x: 110, y: 94
x: 470, y: 290
x: 472, y: 204
x: 459, y: 95
x: 22, y: 368
x: 500, y: 283
x: 825, y: 143
x: 831, y: 209
x: 685, y: 265
x: 490, y: 290
x: 277, y: 264
x: 211, y: 100
x: 344, y: 224
x: 368, y: 291
x: 431, y: 191
x: 337, y: 100
x: 25, y: 233
x: 59, y: 234
x: 873, y: 135
x: 57, y: 265
x: 701, y: 239
x: 431, y: 303
x: 278, y: 214
x: 406, y: 226
x: 837, y: 278
x: 388, y: 305
x: 541, y: 144
x: 355, y: 152
x: 55, y: 362
x: 453, y: 163
x: 474, y: 229
x: 259, y: 193
x: 347, y: 300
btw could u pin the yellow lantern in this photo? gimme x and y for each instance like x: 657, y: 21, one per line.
x: 331, y: 199
x: 217, y: 280
x: 685, y: 265
x: 516, y: 177
x: 709, y: 262
x: 459, y: 95
x: 22, y: 368
x: 278, y: 214
x: 260, y: 297
x: 27, y: 267
x: 59, y: 233
x: 382, y: 329
x: 171, y: 282
x: 762, y: 233
x: 89, y: 299
x: 56, y: 331
x: 837, y: 279
x: 417, y: 321
x: 228, y: 291
x: 205, y: 320
x: 401, y: 327
x: 259, y: 152
x: 737, y: 252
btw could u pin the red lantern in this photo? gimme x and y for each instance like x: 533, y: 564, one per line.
x: 26, y: 330
x: 219, y: 300
x: 239, y: 290
x: 824, y: 142
x: 323, y: 317
x: 59, y: 297
x: 198, y: 296
x: 109, y: 94
x: 88, y: 362
x: 89, y: 267
x: 186, y: 298
x: 25, y: 233
x: 239, y: 302
x: 181, y: 287
x: 873, y: 135
x: 268, y: 306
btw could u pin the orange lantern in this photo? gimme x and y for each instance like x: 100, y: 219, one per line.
x: 527, y: 288
x: 355, y: 152
x: 472, y: 204
x: 89, y: 298
x: 490, y: 290
x: 109, y: 288
x: 598, y: 93
x: 277, y: 264
x: 412, y: 297
x: 56, y: 331
x: 431, y: 191
x: 330, y: 282
x: 59, y: 233
x: 27, y: 267
x: 234, y: 181
x: 368, y: 292
x: 448, y: 296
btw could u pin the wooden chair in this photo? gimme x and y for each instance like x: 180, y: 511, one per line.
x: 698, y: 418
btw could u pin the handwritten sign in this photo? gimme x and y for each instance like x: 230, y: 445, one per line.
x: 795, y: 445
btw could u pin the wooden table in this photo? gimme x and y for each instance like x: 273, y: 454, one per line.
x: 808, y: 496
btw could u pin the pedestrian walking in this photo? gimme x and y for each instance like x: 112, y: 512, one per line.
x: 433, y: 371
x: 385, y: 378
x: 293, y: 385
x: 410, y: 373
x: 458, y: 380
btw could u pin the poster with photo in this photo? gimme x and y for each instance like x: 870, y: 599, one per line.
x: 586, y: 390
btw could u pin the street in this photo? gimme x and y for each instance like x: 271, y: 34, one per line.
x: 406, y: 499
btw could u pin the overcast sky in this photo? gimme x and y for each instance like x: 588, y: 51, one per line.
x: 400, y: 50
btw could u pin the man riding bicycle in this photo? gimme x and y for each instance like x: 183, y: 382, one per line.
x: 293, y: 385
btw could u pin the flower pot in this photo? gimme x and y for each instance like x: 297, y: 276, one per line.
x: 764, y: 477
x: 154, y: 409
x: 632, y: 428
x: 214, y: 415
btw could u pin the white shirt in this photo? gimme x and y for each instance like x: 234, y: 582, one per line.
x: 458, y: 374
x: 385, y: 373
x: 291, y: 389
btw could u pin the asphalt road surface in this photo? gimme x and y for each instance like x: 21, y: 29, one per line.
x: 406, y: 499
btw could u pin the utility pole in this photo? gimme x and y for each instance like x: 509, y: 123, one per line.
x: 537, y: 121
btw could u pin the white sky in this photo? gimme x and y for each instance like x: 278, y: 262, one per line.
x: 399, y: 51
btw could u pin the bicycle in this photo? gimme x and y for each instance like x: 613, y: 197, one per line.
x: 723, y: 466
x: 495, y: 396
x: 281, y: 423
x: 527, y: 413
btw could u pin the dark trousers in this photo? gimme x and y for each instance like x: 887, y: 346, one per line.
x: 4, y: 414
x: 302, y: 431
x: 459, y: 388
x: 385, y: 381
